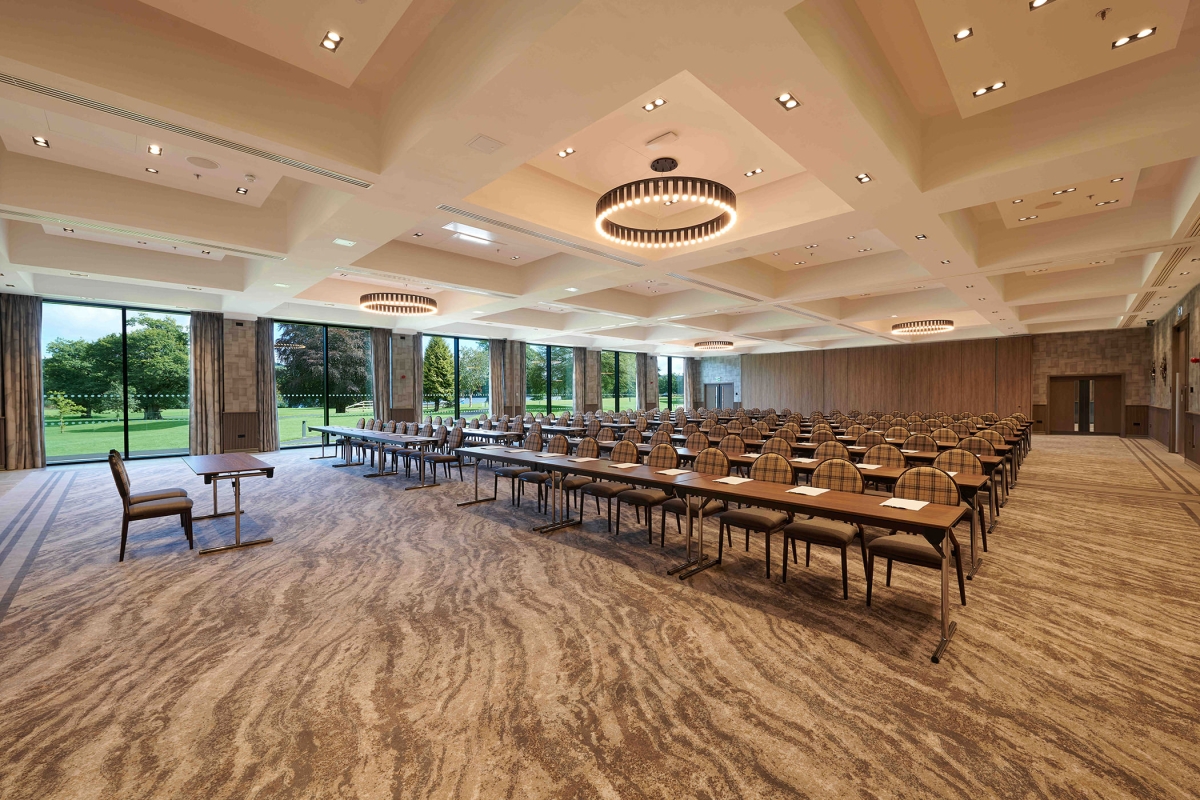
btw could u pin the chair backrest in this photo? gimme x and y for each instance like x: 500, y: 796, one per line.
x: 978, y: 422
x: 389, y: 426
x: 120, y: 476
x: 977, y: 445
x: 473, y: 424
x: 711, y: 461
x: 773, y: 468
x: 690, y: 428
x: 919, y: 427
x: 362, y: 421
x: 929, y: 484
x: 896, y: 432
x: 605, y: 435
x: 440, y: 436
x: 641, y: 424
x: 559, y: 444
x: 732, y: 445
x: 455, y: 439
x: 1003, y: 429
x: 787, y: 434
x: 881, y: 426
x: 535, y: 427
x: 837, y: 474
x: 660, y: 437
x: 435, y: 420
x: 915, y: 418
x: 625, y: 452
x: 960, y: 429
x: 667, y: 427
x: 587, y: 448
x: 378, y: 425
x: 663, y: 456
x: 821, y: 435
x: 945, y: 436
x: 734, y: 426
x: 831, y: 450
x: 719, y: 431
x: 885, y: 455
x: 697, y: 441
x: 427, y: 429
x: 855, y: 430
x: 1021, y: 417
x: 919, y: 441
x: 778, y: 445
x: 592, y: 428
x: 869, y: 439
x: 991, y: 437
x: 751, y: 434
x: 632, y: 435
x: 959, y: 460
x: 533, y: 441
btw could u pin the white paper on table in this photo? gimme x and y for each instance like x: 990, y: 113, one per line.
x: 856, y: 447
x: 869, y: 466
x: 803, y: 460
x: 810, y: 491
x: 907, y: 505
x: 549, y: 455
x: 518, y: 450
x: 751, y: 455
x: 582, y: 460
x: 624, y: 466
x: 951, y: 474
x: 909, y: 451
x: 673, y: 471
x: 732, y: 480
x: 493, y: 447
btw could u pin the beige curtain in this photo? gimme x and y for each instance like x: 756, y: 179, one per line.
x: 581, y: 378
x: 418, y: 373
x: 646, y: 388
x: 381, y: 373
x: 21, y: 373
x: 264, y: 381
x: 693, y: 388
x: 514, y: 378
x: 497, y: 367
x: 207, y: 370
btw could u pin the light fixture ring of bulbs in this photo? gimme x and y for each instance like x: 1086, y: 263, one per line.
x: 398, y: 304
x: 666, y: 189
x: 714, y: 345
x: 922, y: 326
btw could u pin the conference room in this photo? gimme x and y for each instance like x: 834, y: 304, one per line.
x: 490, y: 398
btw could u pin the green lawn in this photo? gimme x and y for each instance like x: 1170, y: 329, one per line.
x: 82, y: 437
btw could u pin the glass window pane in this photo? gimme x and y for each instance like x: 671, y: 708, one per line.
x: 157, y: 352
x: 81, y: 381
x: 535, y: 377
x: 677, y: 366
x: 474, y: 378
x: 628, y: 399
x: 562, y: 379
x: 608, y: 380
x: 664, y: 383
x: 350, y: 382
x: 299, y: 381
x: 438, y: 376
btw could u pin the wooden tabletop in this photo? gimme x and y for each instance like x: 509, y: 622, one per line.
x: 224, y: 463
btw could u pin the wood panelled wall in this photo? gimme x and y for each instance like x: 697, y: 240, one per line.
x: 979, y: 375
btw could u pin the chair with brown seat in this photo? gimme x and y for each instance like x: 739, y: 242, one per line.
x: 885, y: 455
x: 606, y: 435
x: 777, y: 444
x: 734, y: 426
x: 965, y: 462
x: 641, y: 423
x: 869, y: 439
x: 587, y: 448
x: 592, y: 428
x: 718, y: 431
x: 533, y: 442
x: 771, y: 468
x: 662, y: 456
x: 919, y: 427
x: 751, y: 435
x: 148, y: 505
x: 826, y: 450
x: 820, y: 435
x: 632, y: 435
x: 660, y: 437
x: 838, y: 475
x: 732, y: 445
x: 962, y: 429
x: 559, y: 446
x: 787, y: 434
x: 945, y: 436
x: 624, y: 453
x: 932, y: 486
x: 697, y: 441
x: 856, y: 430
x: 712, y: 463
x: 920, y: 442
x: 448, y: 443
x: 690, y: 428
x: 896, y: 432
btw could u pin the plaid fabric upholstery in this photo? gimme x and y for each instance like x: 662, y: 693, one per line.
x: 771, y: 467
x: 533, y: 442
x: 915, y: 418
x: 991, y: 436
x: 1003, y: 429
x: 660, y: 437
x: 919, y: 427
x: 786, y: 434
x: 707, y: 424
x: 690, y: 428
x: 885, y: 455
x: 697, y: 441
x: 605, y: 435
x: 869, y: 420
x: 592, y: 428
x: 633, y: 435
x: 663, y: 456
x: 896, y: 432
x: 777, y: 445
x: 839, y: 475
x: 977, y: 445
x: 718, y: 431
x: 455, y: 439
x: 587, y: 448
x: 535, y: 427
x: 855, y: 430
x: 362, y: 421
x: 881, y: 426
x: 958, y: 460
x: 668, y: 427
x: 762, y: 426
x: 962, y: 429
x: 625, y: 453
x: 389, y: 427
x: 734, y: 426
x: 427, y: 429
x: 887, y: 418
x: 559, y: 444
x: 752, y: 435
x: 920, y: 441
x: 945, y: 436
x: 641, y: 424
x: 831, y: 450
x: 732, y: 445
x: 870, y: 439
x: 794, y: 427
x: 1021, y: 417
x: 820, y: 435
x: 929, y: 484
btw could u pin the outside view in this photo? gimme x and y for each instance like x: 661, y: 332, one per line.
x: 670, y: 381
x: 473, y: 369
x: 618, y: 371
x: 83, y: 381
x: 562, y: 378
x: 301, y: 381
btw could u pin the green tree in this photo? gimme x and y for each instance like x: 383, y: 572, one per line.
x: 535, y: 372
x: 438, y: 373
x: 562, y: 373
x: 62, y: 405
x: 474, y: 369
x: 300, y: 365
x: 83, y: 371
x: 158, y: 363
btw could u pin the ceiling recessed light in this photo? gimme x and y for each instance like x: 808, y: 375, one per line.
x: 1034, y: 5
x: 243, y: 190
x: 141, y: 242
x: 1017, y: 201
x: 995, y: 312
x: 41, y: 141
x: 811, y: 246
x: 206, y: 252
x: 1031, y: 216
x: 1185, y: 273
x: 982, y: 299
x: 1094, y: 263
x: 572, y: 289
x: 1172, y: 287
x: 753, y: 172
x: 195, y: 288
x: 332, y: 41
x: 945, y: 261
x: 1133, y: 37
x: 1108, y: 202
x: 283, y: 285
x: 69, y: 230
x: 1116, y: 180
x: 1043, y: 269
x: 787, y: 101
x: 995, y: 87
x: 344, y: 242
x: 418, y: 235
x: 774, y: 254
x: 862, y: 177
x: 514, y: 258
x: 894, y: 316
x: 921, y: 236
x: 970, y: 286
x: 922, y: 286
x: 152, y: 170
x: 965, y: 33
x: 1065, y: 191
x: 798, y: 263
x: 864, y: 250
x: 570, y: 151
x: 653, y: 104
x: 155, y: 150
x: 80, y: 274
x: 849, y: 237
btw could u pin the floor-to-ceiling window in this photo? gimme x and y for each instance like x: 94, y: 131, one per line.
x: 114, y: 378
x: 549, y: 378
x: 322, y: 377
x: 670, y: 381
x: 457, y: 376
x: 618, y: 381
x: 677, y: 365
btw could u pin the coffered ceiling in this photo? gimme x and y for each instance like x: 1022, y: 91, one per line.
x: 428, y: 145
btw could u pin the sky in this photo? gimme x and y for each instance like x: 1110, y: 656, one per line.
x: 62, y: 321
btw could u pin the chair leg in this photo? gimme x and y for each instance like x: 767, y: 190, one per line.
x: 807, y: 554
x: 889, y: 572
x: 609, y: 512
x: 597, y: 505
x: 747, y: 540
x: 870, y: 575
x: 649, y: 526
x: 124, y: 536
x: 845, y: 576
x: 186, y: 519
x: 720, y: 541
x: 768, y: 555
x: 962, y: 587
x: 784, y: 559
x: 618, y: 533
x: 794, y: 561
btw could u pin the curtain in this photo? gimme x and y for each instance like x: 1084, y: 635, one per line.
x: 418, y: 374
x: 514, y: 378
x: 381, y: 373
x: 496, y: 376
x: 207, y: 370
x: 21, y: 373
x: 581, y: 376
x: 647, y: 386
x: 264, y: 380
x: 693, y: 387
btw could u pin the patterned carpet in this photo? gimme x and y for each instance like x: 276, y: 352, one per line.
x: 391, y: 645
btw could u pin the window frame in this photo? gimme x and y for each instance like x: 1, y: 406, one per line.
x: 324, y: 326
x: 455, y: 350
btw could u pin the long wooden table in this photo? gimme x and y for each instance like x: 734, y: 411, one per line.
x: 378, y: 439
x: 230, y: 467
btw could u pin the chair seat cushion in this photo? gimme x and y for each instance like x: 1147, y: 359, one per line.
x: 905, y: 547
x: 821, y: 531
x: 606, y: 488
x: 534, y: 477
x: 675, y: 505
x: 160, y: 508
x: 755, y: 519
x: 644, y: 497
x: 158, y: 494
x: 511, y: 472
x: 442, y: 458
x: 573, y: 482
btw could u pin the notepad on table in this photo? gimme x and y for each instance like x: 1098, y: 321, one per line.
x: 493, y: 447
x: 548, y: 455
x: 673, y: 471
x: 856, y: 447
x: 951, y: 474
x: 518, y: 450
x: 907, y: 505
x: 751, y: 455
x: 623, y: 466
x: 909, y: 451
x: 582, y: 460
x: 869, y: 466
x: 732, y: 480
x: 810, y: 491
x: 802, y: 460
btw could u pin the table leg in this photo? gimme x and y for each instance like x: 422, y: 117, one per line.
x: 318, y: 458
x: 992, y: 512
x: 421, y: 472
x: 237, y: 523
x: 976, y: 563
x: 379, y: 472
x: 347, y: 461
x: 948, y: 627
x: 554, y: 525
x: 701, y: 563
x: 477, y: 499
x: 216, y: 513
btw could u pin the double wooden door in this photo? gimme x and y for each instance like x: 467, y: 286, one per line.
x: 1092, y: 404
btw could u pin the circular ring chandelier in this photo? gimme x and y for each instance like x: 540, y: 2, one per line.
x: 714, y: 345
x: 923, y: 326
x: 666, y: 190
x: 398, y: 304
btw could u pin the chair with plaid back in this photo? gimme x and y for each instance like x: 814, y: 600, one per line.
x: 632, y: 435
x: 820, y: 435
x: 945, y: 436
x: 769, y: 468
x: 690, y: 428
x: 855, y: 430
x: 751, y: 435
x: 885, y: 455
x: 623, y: 453
x: 696, y: 441
x: 587, y: 448
x: 778, y: 445
x: 712, y: 463
x: 558, y: 445
x: 732, y: 445
x: 919, y: 441
x: 961, y: 460
x: 869, y: 439
x: 662, y: 456
x: 718, y: 431
x: 896, y: 432
x: 448, y: 458
x: 734, y: 426
x: 787, y: 434
x: 831, y: 450
x: 606, y: 435
x: 660, y: 437
x: 592, y: 428
x: 837, y: 475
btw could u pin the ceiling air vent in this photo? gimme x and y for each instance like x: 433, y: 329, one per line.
x: 713, y: 287
x: 536, y: 235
